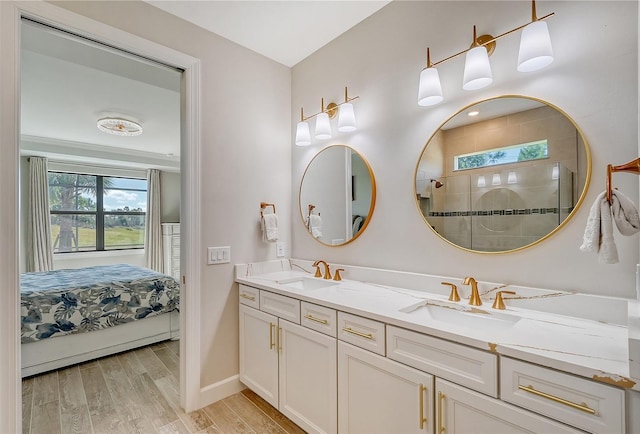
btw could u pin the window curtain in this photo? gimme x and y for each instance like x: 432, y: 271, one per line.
x: 41, y: 254
x: 153, y: 230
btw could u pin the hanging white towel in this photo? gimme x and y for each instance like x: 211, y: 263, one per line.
x: 269, y: 225
x: 598, y: 234
x: 315, y: 225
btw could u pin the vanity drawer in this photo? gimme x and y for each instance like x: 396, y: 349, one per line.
x: 249, y: 296
x: 469, y: 367
x: 361, y: 332
x: 585, y: 404
x: 319, y: 318
x: 280, y: 306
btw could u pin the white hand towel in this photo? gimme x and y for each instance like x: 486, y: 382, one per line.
x: 598, y: 234
x: 315, y: 225
x: 269, y: 228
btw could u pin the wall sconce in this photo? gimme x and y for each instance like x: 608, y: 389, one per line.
x: 346, y: 120
x: 481, y: 181
x: 555, y: 172
x: 495, y: 180
x: 535, y: 53
x: 512, y: 178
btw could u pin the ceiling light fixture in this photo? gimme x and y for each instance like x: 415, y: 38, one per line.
x: 346, y: 120
x: 535, y: 53
x: 119, y: 127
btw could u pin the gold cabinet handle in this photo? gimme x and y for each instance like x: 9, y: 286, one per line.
x: 441, y: 397
x: 271, y: 343
x: 279, y: 339
x: 423, y: 420
x: 248, y: 297
x: 313, y: 318
x: 582, y: 407
x: 357, y: 333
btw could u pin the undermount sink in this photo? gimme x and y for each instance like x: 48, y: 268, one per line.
x: 307, y: 283
x: 467, y: 316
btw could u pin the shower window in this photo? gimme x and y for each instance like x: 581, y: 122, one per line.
x: 508, y: 154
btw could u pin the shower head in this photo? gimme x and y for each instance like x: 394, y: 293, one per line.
x: 438, y: 183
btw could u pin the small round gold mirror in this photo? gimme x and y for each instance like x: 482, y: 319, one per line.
x: 502, y: 174
x: 337, y: 195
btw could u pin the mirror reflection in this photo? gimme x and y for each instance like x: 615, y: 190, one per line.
x: 337, y: 195
x: 502, y: 174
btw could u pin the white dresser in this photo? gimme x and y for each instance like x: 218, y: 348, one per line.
x: 171, y: 249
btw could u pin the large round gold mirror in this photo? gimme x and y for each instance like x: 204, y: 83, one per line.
x: 337, y: 195
x: 502, y: 174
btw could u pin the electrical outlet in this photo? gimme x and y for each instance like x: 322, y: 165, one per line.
x: 280, y: 249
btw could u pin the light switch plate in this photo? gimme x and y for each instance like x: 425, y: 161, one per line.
x: 218, y: 255
x: 280, y: 249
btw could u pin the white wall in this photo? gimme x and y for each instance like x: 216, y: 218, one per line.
x: 594, y: 79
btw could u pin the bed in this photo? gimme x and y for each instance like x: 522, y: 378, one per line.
x: 73, y: 315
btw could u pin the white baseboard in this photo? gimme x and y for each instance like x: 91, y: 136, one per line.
x: 220, y: 390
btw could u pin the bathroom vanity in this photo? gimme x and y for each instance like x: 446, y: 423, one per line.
x: 384, y: 351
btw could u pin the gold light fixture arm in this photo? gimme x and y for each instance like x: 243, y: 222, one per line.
x: 331, y: 109
x: 488, y: 40
x: 631, y: 167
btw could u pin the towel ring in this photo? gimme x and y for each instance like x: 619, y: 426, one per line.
x: 631, y: 167
x: 264, y: 205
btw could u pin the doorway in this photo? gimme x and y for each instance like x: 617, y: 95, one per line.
x: 10, y: 16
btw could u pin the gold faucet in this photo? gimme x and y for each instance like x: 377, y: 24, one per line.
x: 474, y: 300
x: 499, y: 302
x: 327, y: 272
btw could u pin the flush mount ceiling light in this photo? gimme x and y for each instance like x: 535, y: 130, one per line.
x: 346, y: 120
x: 119, y: 127
x: 535, y: 53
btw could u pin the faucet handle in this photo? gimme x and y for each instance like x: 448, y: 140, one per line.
x: 327, y: 272
x: 453, y: 296
x: 337, y: 275
x: 499, y: 303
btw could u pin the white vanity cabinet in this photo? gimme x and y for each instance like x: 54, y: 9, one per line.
x: 460, y: 410
x: 378, y: 395
x: 292, y: 367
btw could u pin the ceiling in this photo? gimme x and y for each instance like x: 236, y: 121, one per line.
x: 68, y: 83
x: 285, y: 31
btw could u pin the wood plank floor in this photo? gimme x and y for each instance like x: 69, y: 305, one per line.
x: 136, y: 392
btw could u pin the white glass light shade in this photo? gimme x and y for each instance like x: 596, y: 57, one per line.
x: 512, y: 178
x: 555, y: 172
x: 346, y: 118
x: 535, y: 47
x: 481, y: 181
x: 477, y: 70
x: 323, y: 127
x: 496, y: 179
x: 303, y: 137
x: 430, y: 90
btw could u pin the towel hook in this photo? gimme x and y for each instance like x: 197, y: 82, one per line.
x: 264, y: 205
x: 631, y: 167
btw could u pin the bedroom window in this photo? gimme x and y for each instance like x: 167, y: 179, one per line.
x: 95, y: 213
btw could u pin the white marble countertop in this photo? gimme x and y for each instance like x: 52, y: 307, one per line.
x: 588, y: 348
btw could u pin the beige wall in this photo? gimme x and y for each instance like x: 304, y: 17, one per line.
x: 381, y: 59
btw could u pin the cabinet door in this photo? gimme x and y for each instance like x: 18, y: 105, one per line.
x: 378, y: 395
x: 308, y: 376
x: 258, y: 353
x: 461, y: 410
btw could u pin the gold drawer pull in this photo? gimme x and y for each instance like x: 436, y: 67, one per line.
x: 248, y: 297
x: 357, y: 333
x: 441, y: 427
x: 271, y: 343
x: 582, y: 407
x: 423, y: 419
x: 313, y: 318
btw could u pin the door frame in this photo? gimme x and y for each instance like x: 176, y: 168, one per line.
x: 11, y: 14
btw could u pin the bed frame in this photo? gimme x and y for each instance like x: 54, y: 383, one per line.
x: 57, y: 352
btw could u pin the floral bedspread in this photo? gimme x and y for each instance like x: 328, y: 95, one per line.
x: 62, y: 302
